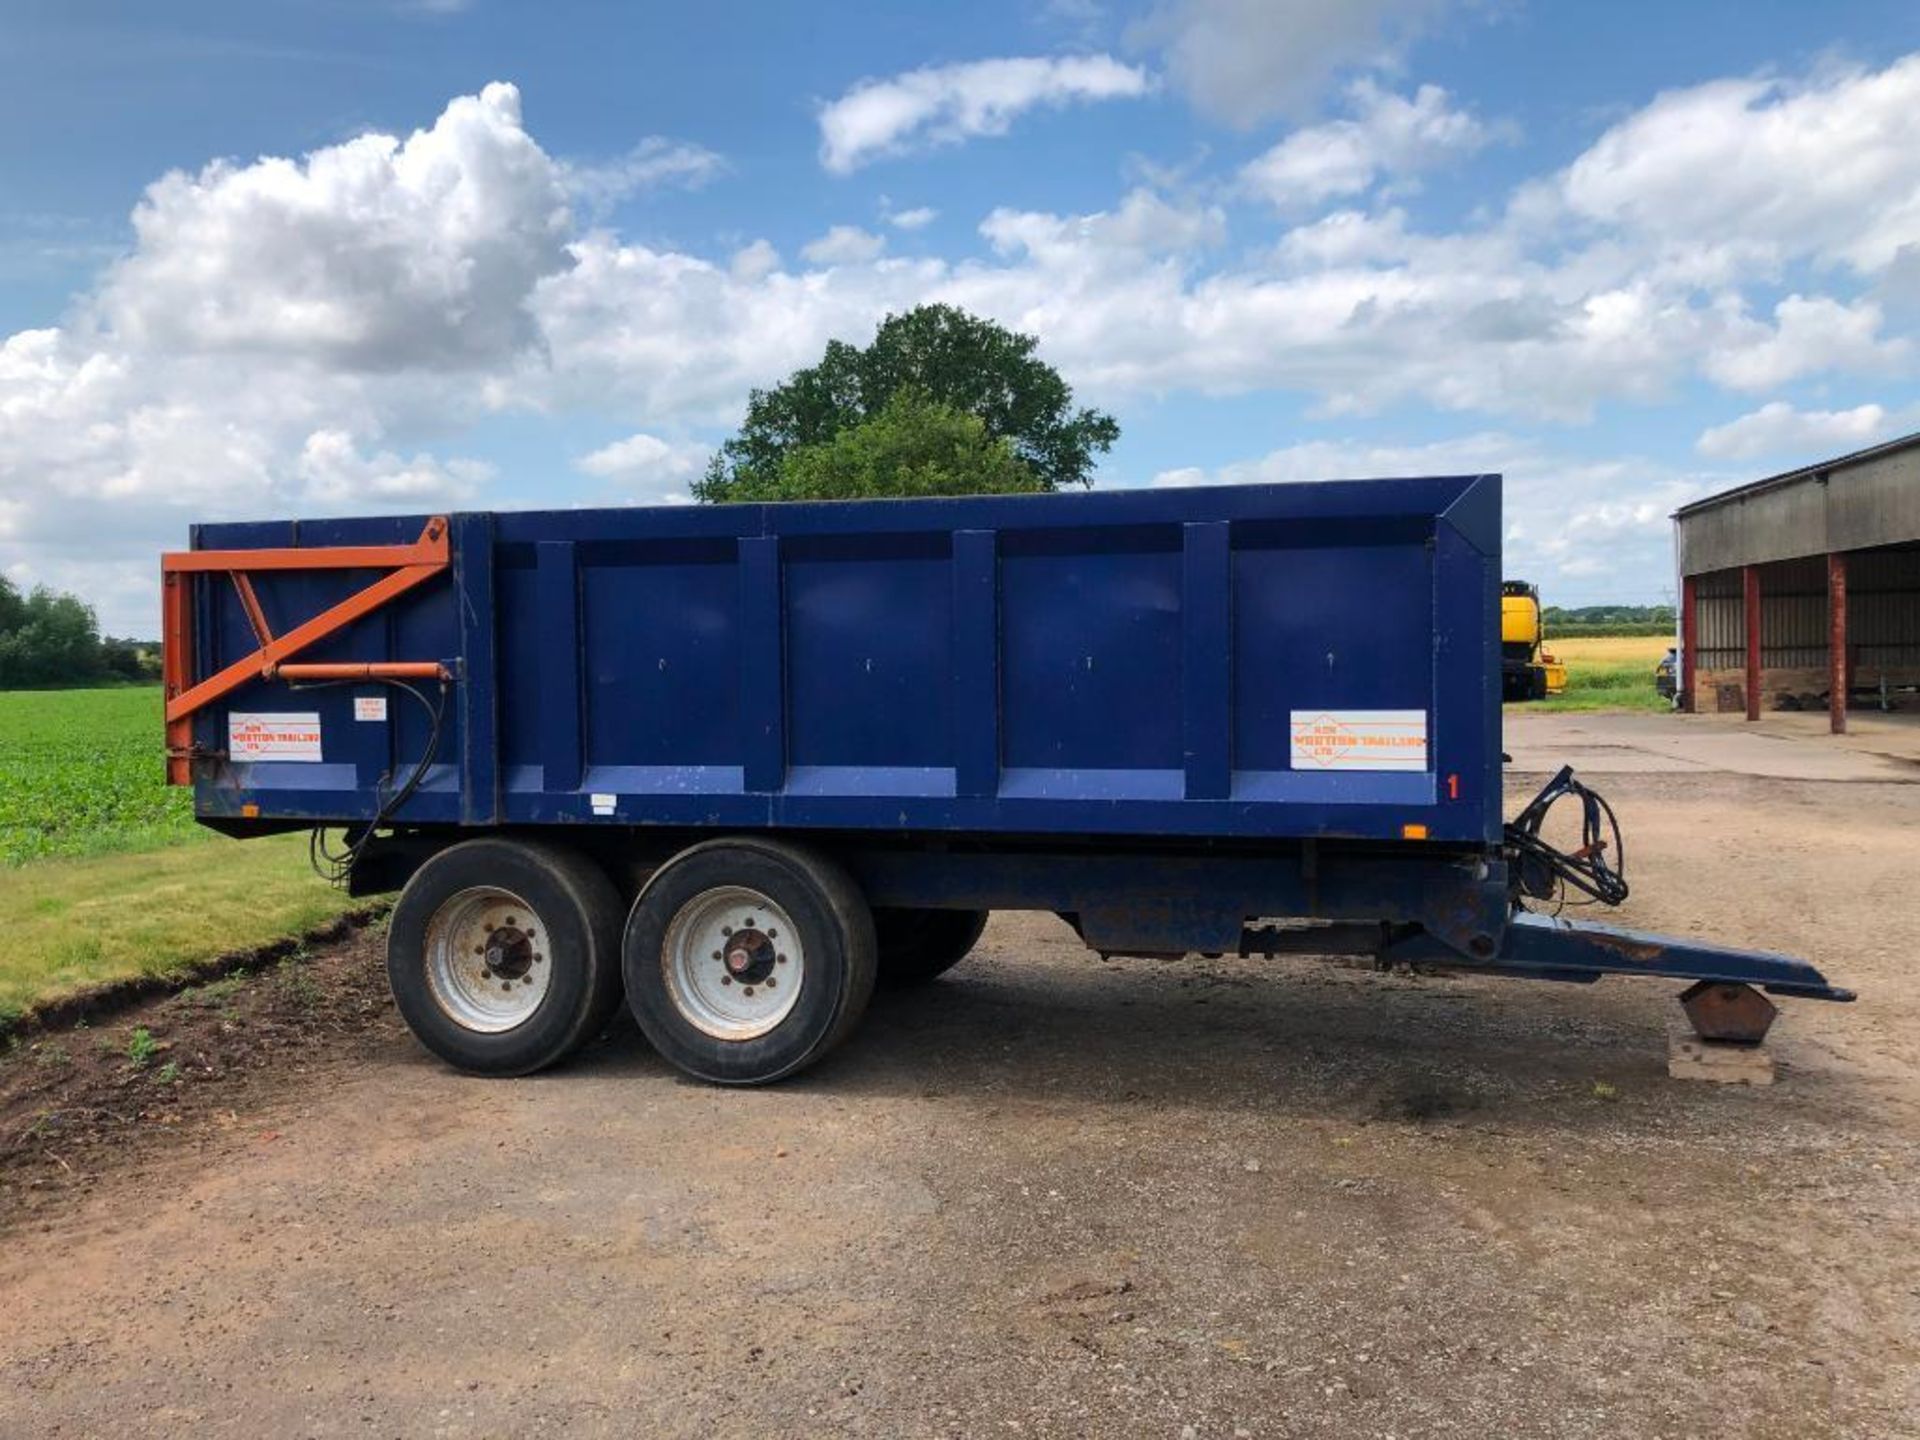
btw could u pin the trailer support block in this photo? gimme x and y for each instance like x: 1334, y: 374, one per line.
x: 1719, y: 1062
x: 1735, y: 1014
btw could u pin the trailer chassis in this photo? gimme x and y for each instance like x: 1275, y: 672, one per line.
x: 1429, y: 909
x: 1455, y: 913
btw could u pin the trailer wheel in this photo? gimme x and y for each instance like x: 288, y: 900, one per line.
x: 747, y: 960
x: 504, y: 955
x: 918, y: 946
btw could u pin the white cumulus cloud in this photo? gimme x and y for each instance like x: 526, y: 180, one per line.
x: 654, y: 163
x: 1824, y: 167
x: 1387, y: 135
x: 379, y: 253
x: 754, y: 261
x: 646, y: 462
x: 1809, y: 335
x: 333, y: 471
x: 945, y: 104
x: 1243, y: 61
x: 1778, y: 428
x: 843, y: 245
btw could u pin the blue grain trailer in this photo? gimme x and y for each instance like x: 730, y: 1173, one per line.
x: 739, y: 763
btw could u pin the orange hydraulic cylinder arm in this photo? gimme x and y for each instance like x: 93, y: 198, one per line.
x: 407, y: 566
x: 368, y: 670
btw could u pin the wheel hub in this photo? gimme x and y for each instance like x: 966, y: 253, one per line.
x: 509, y: 952
x: 749, y: 956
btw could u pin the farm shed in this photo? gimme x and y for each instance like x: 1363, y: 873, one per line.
x: 1802, y: 590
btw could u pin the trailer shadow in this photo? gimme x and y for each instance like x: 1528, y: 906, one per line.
x: 1298, y: 1039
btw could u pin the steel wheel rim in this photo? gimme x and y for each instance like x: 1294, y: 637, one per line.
x: 487, y: 960
x: 733, y: 963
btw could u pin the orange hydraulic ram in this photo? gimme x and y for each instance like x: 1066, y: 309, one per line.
x: 407, y: 566
x: 371, y: 670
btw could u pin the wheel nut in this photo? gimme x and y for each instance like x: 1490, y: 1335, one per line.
x: 769, y: 982
x: 726, y: 979
x: 748, y: 992
x: 538, y: 958
x: 726, y: 929
x: 718, y: 956
x: 780, y: 959
x: 772, y: 934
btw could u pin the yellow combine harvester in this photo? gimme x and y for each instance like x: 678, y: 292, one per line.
x: 1528, y: 670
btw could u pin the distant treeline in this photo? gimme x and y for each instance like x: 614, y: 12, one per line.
x: 48, y: 639
x: 1608, y: 619
x: 1623, y: 628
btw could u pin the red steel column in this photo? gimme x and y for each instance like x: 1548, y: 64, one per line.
x: 1689, y: 642
x: 1837, y: 642
x: 1750, y: 587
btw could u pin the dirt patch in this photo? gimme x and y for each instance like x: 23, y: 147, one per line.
x: 128, y: 1077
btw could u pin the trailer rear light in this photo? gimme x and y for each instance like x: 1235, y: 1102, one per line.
x: 1413, y: 832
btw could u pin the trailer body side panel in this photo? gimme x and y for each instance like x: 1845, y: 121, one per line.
x: 1252, y: 662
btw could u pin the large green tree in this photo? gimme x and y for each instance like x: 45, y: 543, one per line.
x: 46, y: 638
x: 913, y: 446
x: 949, y: 365
x: 50, y: 639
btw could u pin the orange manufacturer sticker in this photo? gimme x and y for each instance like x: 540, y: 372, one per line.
x: 278, y: 736
x: 1359, y: 739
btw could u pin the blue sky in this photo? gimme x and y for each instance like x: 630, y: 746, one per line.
x: 378, y: 254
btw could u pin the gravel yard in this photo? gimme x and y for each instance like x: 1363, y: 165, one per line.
x: 1048, y: 1196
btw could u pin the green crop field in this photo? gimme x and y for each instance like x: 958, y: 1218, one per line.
x: 1605, y: 673
x: 81, y: 773
x: 103, y: 874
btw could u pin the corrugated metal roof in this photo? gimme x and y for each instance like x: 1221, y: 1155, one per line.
x: 1805, y: 472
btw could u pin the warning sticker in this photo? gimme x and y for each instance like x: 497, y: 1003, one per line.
x: 369, y: 707
x: 1359, y: 739
x: 273, y: 737
x: 603, y: 804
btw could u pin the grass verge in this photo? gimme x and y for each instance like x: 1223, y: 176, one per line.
x: 74, y: 924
